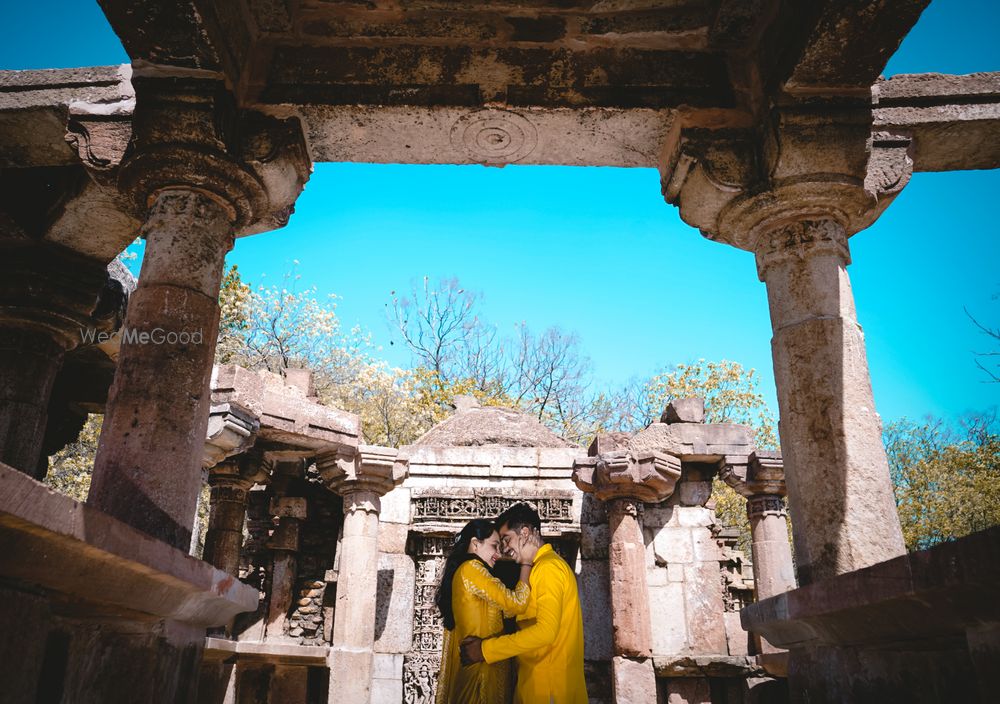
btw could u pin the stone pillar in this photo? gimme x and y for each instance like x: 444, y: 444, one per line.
x: 200, y: 171
x: 361, y: 478
x: 47, y: 296
x: 227, y: 512
x: 773, y: 570
x: 147, y: 469
x: 629, y: 591
x: 624, y: 481
x: 843, y: 510
x: 284, y: 544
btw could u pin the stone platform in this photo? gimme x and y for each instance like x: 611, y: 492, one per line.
x: 922, y: 627
x: 112, y: 609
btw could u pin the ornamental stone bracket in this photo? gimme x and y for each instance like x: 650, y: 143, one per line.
x: 736, y: 188
x: 370, y: 469
x: 232, y: 430
x: 763, y: 472
x: 643, y: 476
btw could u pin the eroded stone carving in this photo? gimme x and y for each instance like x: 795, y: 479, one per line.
x: 494, y: 136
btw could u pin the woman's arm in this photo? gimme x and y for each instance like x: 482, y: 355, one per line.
x: 550, y: 592
x: 477, y: 580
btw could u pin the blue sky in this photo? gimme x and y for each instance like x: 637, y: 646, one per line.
x: 598, y: 252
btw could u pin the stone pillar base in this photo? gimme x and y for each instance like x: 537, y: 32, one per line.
x: 350, y: 675
x: 633, y: 681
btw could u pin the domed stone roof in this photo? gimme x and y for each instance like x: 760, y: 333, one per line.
x: 478, y: 426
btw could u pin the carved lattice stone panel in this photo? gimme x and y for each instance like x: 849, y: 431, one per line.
x: 433, y: 507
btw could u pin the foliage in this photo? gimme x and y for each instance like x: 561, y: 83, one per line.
x: 731, y: 395
x: 71, y: 467
x: 947, y: 480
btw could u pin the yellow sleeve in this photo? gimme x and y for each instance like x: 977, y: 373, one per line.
x: 550, y: 589
x: 477, y: 580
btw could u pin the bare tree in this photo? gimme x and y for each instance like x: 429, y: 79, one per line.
x: 990, y: 366
x: 434, y: 322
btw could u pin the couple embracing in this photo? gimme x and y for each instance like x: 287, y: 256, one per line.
x: 548, y: 644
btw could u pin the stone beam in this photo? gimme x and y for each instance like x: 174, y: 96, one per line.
x: 35, y: 108
x: 953, y: 121
x: 829, y: 47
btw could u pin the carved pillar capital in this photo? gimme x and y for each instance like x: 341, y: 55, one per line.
x: 766, y: 505
x: 801, y: 239
x: 362, y: 475
x: 647, y: 477
x: 766, y: 474
x: 737, y: 186
x: 188, y: 134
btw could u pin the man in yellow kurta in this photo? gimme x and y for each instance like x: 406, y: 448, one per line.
x: 549, y: 642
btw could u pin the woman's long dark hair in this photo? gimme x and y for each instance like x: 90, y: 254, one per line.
x: 479, y: 528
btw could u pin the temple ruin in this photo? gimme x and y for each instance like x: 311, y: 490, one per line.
x: 773, y: 132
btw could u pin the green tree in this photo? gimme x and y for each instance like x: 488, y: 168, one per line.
x: 732, y: 395
x: 70, y: 469
x: 946, y: 479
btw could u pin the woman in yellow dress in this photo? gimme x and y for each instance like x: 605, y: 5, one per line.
x: 473, y: 603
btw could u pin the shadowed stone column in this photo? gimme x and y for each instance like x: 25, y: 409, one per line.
x: 146, y: 470
x: 200, y: 171
x: 229, y: 481
x: 624, y: 481
x: 361, y: 478
x: 841, y: 492
x: 284, y: 544
x: 47, y: 296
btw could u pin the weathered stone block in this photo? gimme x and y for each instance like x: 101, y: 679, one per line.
x: 691, y: 493
x: 595, y: 602
x: 392, y: 537
x: 396, y: 506
x: 737, y: 639
x: 667, y: 618
x: 387, y: 666
x: 688, y: 690
x: 694, y: 516
x: 684, y: 410
x: 706, y: 548
x: 675, y: 572
x: 673, y: 546
x: 396, y: 580
x: 594, y: 541
x: 704, y: 607
x: 634, y: 681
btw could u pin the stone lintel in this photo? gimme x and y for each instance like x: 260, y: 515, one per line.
x: 705, y: 666
x: 35, y: 107
x: 694, y: 442
x: 927, y: 597
x: 90, y: 560
x: 954, y: 121
x: 219, y: 649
